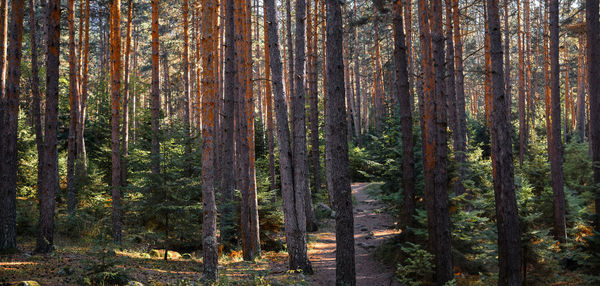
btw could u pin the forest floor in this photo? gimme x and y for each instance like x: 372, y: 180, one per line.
x: 372, y: 226
x: 72, y: 260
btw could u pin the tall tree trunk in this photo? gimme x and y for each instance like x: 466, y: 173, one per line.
x: 8, y: 130
x: 115, y: 54
x: 290, y: 56
x: 3, y: 45
x: 378, y: 92
x: 126, y: 90
x: 460, y: 138
x: 35, y: 92
x: 269, y: 107
x: 409, y: 49
x: 404, y: 107
x: 45, y: 238
x: 299, y: 156
x: 74, y: 109
x: 81, y: 159
x: 593, y: 77
x: 155, y: 105
x: 209, y: 75
x: 336, y: 149
x: 293, y: 202
x: 427, y: 119
x: 581, y: 89
x: 556, y: 156
x: 314, y: 99
x: 442, y: 216
x: 529, y: 91
x: 187, y: 100
x: 450, y: 74
x: 522, y: 110
x: 357, y: 119
x: 231, y: 87
x: 507, y: 85
x: 249, y: 117
x: 242, y: 150
x: 509, y: 248
x: 488, y: 68
x: 136, y: 102
x: 166, y: 86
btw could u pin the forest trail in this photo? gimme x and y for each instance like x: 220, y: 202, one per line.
x: 371, y: 228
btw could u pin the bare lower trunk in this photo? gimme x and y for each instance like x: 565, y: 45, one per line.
x: 8, y: 130
x: 74, y: 109
x: 126, y: 90
x: 155, y: 105
x: 336, y: 149
x: 556, y: 156
x: 209, y: 75
x: 115, y: 108
x: 460, y: 138
x: 35, y: 91
x: 404, y: 107
x: 45, y: 238
x: 293, y: 202
x: 299, y: 156
x: 581, y: 90
x: 187, y: 103
x: 509, y: 248
x: 593, y: 66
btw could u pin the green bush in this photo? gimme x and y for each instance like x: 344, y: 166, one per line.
x: 416, y: 267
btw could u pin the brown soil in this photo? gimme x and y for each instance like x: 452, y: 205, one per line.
x: 371, y: 228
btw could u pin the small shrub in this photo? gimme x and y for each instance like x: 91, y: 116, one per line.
x: 417, y: 266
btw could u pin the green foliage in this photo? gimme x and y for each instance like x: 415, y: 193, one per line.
x: 102, y: 270
x: 416, y: 267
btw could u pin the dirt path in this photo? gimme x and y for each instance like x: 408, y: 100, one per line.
x: 371, y: 228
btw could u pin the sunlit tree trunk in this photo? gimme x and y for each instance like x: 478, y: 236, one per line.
x: 336, y: 149
x: 509, y: 248
x: 488, y: 63
x: 45, y: 238
x: 155, y: 104
x: 115, y: 54
x: 209, y: 75
x: 8, y: 130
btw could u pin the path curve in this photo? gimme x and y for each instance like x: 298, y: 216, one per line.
x: 371, y: 228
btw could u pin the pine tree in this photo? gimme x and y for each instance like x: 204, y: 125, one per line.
x: 336, y: 149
